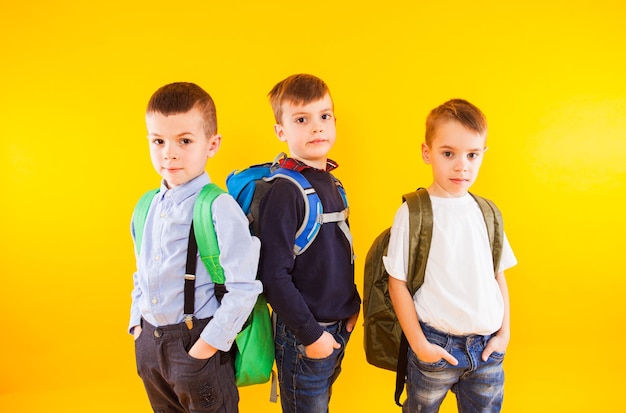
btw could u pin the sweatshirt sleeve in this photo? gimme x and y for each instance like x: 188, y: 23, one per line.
x: 280, y: 215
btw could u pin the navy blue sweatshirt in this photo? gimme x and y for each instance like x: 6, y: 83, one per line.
x: 318, y: 285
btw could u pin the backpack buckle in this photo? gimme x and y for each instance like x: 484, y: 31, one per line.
x: 189, y: 321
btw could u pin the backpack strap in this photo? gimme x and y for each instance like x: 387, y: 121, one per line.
x: 202, y: 238
x: 495, y: 228
x: 314, y: 216
x: 205, y: 231
x: 420, y: 234
x: 140, y: 214
x: 341, y: 218
x: 342, y: 192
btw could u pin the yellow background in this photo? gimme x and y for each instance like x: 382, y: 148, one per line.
x: 75, y: 79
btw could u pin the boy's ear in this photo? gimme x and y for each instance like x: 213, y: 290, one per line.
x: 425, y: 153
x: 280, y: 132
x: 214, y: 145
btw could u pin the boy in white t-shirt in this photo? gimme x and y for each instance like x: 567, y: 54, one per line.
x: 457, y: 323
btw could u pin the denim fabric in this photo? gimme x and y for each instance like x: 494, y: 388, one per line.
x: 477, y: 384
x: 306, y: 383
x: 178, y: 383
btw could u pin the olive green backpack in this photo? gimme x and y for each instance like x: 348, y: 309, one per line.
x: 385, y: 344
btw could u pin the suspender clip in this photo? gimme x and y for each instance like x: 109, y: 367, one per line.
x: 189, y: 321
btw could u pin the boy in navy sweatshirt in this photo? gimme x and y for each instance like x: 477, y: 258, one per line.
x: 313, y: 294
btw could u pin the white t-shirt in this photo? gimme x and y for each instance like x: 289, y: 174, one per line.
x: 460, y: 294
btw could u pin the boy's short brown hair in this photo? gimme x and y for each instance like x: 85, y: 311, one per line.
x: 458, y: 110
x: 181, y: 97
x: 299, y: 89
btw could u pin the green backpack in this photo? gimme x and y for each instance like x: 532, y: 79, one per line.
x: 385, y: 344
x: 254, y: 349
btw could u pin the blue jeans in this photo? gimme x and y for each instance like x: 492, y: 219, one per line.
x: 305, y: 383
x: 477, y: 384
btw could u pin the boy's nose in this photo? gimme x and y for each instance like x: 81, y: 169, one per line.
x: 317, y: 128
x: 461, y: 165
x: 170, y: 153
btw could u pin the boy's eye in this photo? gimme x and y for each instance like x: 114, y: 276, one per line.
x: 447, y: 154
x: 327, y: 116
x: 472, y: 155
x: 157, y: 141
x: 185, y: 141
x: 300, y: 120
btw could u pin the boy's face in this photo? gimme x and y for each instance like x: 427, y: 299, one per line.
x: 179, y: 147
x: 455, y: 156
x: 309, y: 130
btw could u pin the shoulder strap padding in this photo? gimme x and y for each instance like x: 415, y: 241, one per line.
x: 139, y: 217
x: 420, y: 234
x: 205, y: 231
x: 255, y: 204
x: 342, y: 192
x: 495, y: 229
x: 312, y: 208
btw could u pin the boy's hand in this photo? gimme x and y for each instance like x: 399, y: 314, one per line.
x: 202, y: 350
x: 352, y: 322
x: 322, y: 347
x: 136, y: 332
x: 432, y: 353
x: 496, y: 343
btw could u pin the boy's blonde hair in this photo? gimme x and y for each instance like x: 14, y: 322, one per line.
x: 299, y: 89
x: 181, y: 97
x: 458, y: 110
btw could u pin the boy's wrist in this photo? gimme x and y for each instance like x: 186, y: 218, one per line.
x: 504, y: 334
x: 420, y: 344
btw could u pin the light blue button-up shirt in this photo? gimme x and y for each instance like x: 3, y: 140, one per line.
x: 159, y: 280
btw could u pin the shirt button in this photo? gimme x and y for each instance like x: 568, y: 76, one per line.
x: 158, y: 333
x: 154, y: 300
x: 157, y: 258
x: 163, y: 214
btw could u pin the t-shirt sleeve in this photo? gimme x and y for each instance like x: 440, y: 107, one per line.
x: 397, y: 260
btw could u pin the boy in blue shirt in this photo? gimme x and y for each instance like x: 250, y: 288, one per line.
x: 457, y: 323
x: 188, y: 368
x: 313, y: 294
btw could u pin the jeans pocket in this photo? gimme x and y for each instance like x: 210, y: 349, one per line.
x: 496, y: 355
x: 432, y: 367
x: 438, y: 340
x: 188, y: 360
x: 319, y: 367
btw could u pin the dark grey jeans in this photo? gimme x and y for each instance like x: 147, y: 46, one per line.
x: 178, y: 383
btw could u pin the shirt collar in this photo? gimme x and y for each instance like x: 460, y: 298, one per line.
x: 299, y: 166
x: 184, y: 191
